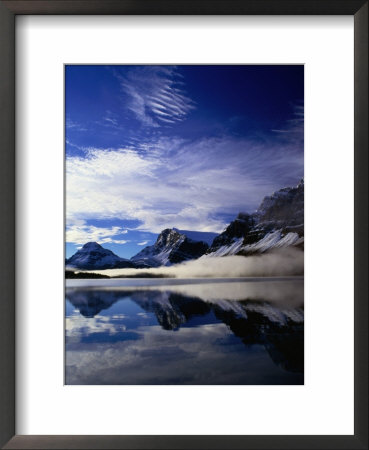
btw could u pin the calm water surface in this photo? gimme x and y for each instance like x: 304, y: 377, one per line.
x: 161, y: 331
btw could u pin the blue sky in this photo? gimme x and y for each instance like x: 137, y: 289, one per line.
x: 155, y: 147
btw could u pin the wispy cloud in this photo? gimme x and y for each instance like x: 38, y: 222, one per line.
x: 293, y: 129
x: 110, y: 120
x: 143, y: 243
x: 155, y: 95
x: 112, y: 241
x: 80, y: 234
x: 70, y: 124
x: 189, y: 185
x: 71, y: 144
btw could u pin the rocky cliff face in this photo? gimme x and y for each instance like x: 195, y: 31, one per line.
x: 239, y: 228
x: 278, y: 222
x: 171, y: 247
x: 283, y: 210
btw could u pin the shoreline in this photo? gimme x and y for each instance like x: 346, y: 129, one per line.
x: 142, y: 282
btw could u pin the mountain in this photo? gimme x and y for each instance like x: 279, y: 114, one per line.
x: 171, y: 247
x: 278, y: 222
x: 92, y: 256
x: 204, y: 236
x: 284, y: 210
x: 234, y: 234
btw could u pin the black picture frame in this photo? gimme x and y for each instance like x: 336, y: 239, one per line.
x: 8, y: 11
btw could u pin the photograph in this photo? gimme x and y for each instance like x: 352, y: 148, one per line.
x: 154, y: 160
x: 184, y: 224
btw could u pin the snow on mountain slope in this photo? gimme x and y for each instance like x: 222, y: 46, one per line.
x: 270, y: 241
x: 226, y: 250
x: 93, y: 256
x: 284, y: 208
x: 277, y: 223
x: 239, y: 228
x: 171, y: 247
x: 275, y: 239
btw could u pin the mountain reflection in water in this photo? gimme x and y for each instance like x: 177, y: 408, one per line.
x: 219, y: 332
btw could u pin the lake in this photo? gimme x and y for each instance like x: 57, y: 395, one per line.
x: 185, y: 331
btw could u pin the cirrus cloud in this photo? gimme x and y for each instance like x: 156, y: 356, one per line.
x: 177, y: 183
x: 155, y: 95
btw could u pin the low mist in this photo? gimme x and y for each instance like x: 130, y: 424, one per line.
x: 281, y: 262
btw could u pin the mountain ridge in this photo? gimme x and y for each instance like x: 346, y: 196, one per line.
x: 171, y: 247
x: 278, y: 222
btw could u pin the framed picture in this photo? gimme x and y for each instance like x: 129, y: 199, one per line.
x: 162, y: 153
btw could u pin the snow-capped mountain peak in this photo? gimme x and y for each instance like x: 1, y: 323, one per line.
x: 91, y: 246
x: 93, y: 256
x: 278, y: 222
x: 204, y: 236
x: 171, y: 247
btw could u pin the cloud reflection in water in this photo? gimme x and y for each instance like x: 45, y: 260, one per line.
x: 204, y: 333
